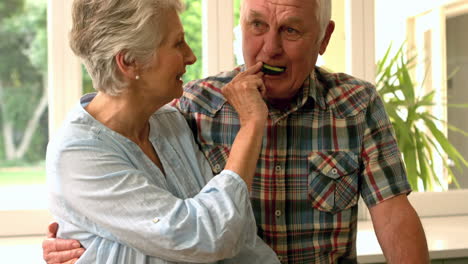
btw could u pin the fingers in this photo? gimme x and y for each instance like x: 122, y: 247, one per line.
x: 70, y: 256
x: 254, y: 68
x: 57, y: 244
x: 73, y: 261
x: 260, y: 74
x: 262, y: 88
x: 52, y: 230
x: 61, y: 250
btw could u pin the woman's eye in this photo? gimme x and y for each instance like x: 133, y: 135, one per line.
x: 180, y: 43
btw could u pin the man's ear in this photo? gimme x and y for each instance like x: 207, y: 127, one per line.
x: 326, y: 38
x: 128, y: 69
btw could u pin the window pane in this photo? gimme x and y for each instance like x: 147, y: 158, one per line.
x: 86, y: 81
x: 239, y: 59
x: 23, y: 97
x: 192, y: 22
x: 457, y: 68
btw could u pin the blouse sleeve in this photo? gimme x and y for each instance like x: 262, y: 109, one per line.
x: 101, y: 191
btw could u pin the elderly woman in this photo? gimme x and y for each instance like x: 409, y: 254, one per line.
x: 126, y: 178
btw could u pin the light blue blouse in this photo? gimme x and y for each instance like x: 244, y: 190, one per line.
x: 105, y: 192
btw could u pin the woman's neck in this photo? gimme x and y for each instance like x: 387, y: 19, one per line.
x: 126, y: 114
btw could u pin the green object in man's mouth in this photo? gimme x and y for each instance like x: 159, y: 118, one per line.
x: 272, y: 70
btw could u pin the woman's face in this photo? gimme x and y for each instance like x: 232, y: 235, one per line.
x: 163, y: 77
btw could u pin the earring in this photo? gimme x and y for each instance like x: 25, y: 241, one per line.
x: 137, y: 77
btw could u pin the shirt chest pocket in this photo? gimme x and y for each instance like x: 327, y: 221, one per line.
x: 333, y: 180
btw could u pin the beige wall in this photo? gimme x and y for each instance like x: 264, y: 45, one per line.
x: 335, y: 57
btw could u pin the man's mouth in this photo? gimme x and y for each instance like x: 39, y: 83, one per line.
x: 272, y: 70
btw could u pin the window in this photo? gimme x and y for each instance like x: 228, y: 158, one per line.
x: 434, y: 33
x: 457, y: 94
x: 23, y: 96
x: 192, y: 22
x: 23, y: 105
x: 367, y: 34
x: 217, y: 36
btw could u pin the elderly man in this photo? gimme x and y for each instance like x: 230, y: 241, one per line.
x: 328, y: 140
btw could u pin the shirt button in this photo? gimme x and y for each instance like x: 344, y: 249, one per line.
x: 334, y: 171
x: 280, y: 258
x: 278, y: 168
x: 155, y: 220
x: 217, y: 167
x: 278, y: 213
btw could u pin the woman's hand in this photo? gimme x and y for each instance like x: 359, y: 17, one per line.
x: 245, y: 93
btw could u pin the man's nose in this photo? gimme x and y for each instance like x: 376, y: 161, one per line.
x: 272, y: 45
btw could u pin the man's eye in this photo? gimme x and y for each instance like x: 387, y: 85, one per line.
x: 291, y: 33
x: 257, y: 24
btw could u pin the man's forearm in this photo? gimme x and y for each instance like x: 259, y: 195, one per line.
x: 400, y: 232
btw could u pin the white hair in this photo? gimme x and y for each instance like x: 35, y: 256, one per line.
x: 323, y: 14
x: 103, y: 28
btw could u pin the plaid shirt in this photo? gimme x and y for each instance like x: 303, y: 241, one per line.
x: 334, y: 143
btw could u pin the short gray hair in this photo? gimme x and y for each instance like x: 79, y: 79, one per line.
x: 323, y: 15
x: 103, y: 28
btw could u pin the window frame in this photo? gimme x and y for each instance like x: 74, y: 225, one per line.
x: 217, y: 36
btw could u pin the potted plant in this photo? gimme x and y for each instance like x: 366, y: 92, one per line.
x: 415, y: 127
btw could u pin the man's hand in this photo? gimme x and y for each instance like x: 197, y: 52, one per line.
x: 56, y: 250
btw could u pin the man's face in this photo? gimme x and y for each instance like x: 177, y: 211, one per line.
x: 282, y: 33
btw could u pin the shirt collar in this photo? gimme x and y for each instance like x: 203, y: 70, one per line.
x: 317, y: 89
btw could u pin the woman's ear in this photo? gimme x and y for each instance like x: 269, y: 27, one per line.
x: 129, y: 69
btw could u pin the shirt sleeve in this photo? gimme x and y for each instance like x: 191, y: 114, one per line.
x: 384, y: 174
x: 103, y: 190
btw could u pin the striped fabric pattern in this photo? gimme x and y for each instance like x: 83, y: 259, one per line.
x: 334, y: 144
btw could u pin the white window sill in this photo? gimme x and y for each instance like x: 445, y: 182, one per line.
x: 21, y: 249
x: 447, y: 237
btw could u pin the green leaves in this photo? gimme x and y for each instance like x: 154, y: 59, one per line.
x: 9, y: 8
x: 23, y: 71
x: 417, y: 130
x: 192, y: 21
